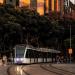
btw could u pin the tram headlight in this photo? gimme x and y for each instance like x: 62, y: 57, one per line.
x: 17, y: 59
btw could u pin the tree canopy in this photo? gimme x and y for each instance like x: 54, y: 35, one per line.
x: 25, y: 26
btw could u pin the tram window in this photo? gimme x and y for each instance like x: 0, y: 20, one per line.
x: 30, y: 53
x: 20, y: 52
x: 34, y: 54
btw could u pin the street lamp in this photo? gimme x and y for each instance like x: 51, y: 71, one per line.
x: 70, y: 53
x: 70, y: 36
x: 70, y: 49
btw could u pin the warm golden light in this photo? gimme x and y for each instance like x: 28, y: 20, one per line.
x: 1, y: 1
x: 61, y: 9
x: 70, y: 50
x: 57, y: 5
x: 47, y: 6
x: 40, y: 7
x: 24, y: 3
x: 52, y: 5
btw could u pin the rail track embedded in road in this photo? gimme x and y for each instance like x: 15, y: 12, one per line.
x: 50, y: 68
x: 8, y: 70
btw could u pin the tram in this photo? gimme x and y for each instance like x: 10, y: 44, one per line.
x: 26, y: 54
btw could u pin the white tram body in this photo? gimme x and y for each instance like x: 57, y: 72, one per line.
x: 29, y: 54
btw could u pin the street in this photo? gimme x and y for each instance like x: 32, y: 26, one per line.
x: 38, y: 69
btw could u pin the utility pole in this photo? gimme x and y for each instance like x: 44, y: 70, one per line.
x: 70, y: 49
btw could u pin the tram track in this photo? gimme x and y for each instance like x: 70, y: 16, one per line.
x: 11, y: 70
x: 8, y: 70
x: 26, y: 73
x: 63, y: 70
x: 55, y: 70
x: 44, y: 67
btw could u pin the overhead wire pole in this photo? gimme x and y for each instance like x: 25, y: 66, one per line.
x: 70, y: 49
x: 65, y: 11
x: 70, y: 36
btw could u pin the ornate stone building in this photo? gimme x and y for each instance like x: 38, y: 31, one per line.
x: 44, y: 6
x: 41, y: 6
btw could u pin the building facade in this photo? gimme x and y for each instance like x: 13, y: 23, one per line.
x: 11, y: 2
x: 2, y: 1
x: 41, y: 6
x: 69, y: 10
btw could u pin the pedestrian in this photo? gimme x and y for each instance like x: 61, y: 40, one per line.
x: 4, y: 60
x: 57, y: 59
x: 62, y: 59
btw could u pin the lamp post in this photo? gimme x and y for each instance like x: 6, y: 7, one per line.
x: 70, y: 53
x: 70, y: 36
x: 70, y: 49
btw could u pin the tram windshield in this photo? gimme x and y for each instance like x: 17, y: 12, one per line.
x: 20, y: 51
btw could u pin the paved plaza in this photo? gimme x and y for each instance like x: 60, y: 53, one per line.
x: 66, y: 67
x: 39, y: 69
x: 3, y: 70
x: 50, y: 69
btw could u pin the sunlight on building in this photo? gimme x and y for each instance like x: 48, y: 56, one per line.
x: 47, y: 6
x: 52, y: 5
x: 43, y: 6
x: 57, y: 5
x: 73, y: 1
x: 1, y: 1
x: 24, y: 3
x: 40, y: 7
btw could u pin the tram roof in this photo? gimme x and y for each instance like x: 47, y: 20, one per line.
x: 46, y: 50
x: 39, y: 49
